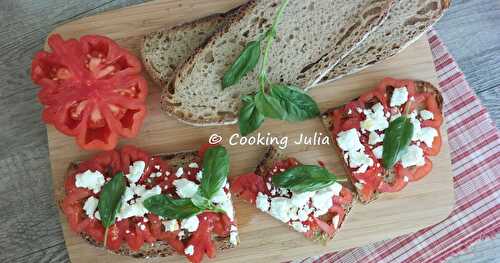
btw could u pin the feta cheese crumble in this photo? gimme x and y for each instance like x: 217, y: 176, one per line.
x: 171, y: 225
x: 262, y: 202
x: 378, y: 152
x: 179, y: 172
x: 90, y: 180
x: 190, y: 224
x: 90, y: 206
x: 375, y: 119
x: 426, y: 115
x: 399, y: 97
x: 185, y: 188
x: 136, y: 206
x: 375, y: 138
x: 349, y: 140
x: 135, y: 171
x: 414, y: 155
x: 189, y: 251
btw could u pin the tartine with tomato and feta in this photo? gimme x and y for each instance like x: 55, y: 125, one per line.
x: 308, y: 198
x: 179, y: 203
x: 386, y: 136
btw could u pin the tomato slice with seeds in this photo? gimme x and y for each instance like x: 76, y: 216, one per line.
x: 91, y: 89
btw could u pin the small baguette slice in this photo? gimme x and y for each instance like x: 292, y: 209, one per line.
x: 421, y: 86
x: 407, y: 21
x: 270, y: 158
x: 159, y: 248
x: 312, y: 37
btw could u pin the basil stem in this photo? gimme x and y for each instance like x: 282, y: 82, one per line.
x: 110, y: 201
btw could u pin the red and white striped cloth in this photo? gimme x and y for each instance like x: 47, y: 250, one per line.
x: 475, y: 151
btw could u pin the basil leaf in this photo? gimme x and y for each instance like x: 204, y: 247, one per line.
x: 167, y: 207
x: 250, y: 118
x: 200, y: 201
x: 304, y: 178
x: 269, y: 106
x: 298, y: 105
x: 397, y: 138
x: 245, y: 63
x: 110, y: 199
x: 215, y: 171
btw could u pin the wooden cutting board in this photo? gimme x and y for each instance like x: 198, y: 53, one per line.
x: 263, y: 239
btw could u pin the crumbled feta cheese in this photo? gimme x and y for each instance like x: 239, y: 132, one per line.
x: 136, y: 208
x: 268, y: 185
x: 227, y: 206
x: 303, y: 214
x: 193, y: 165
x: 335, y: 221
x: 181, y: 235
x: 199, y: 175
x: 135, y: 171
x: 190, y: 224
x: 375, y: 119
x: 171, y: 225
x: 185, y: 188
x: 416, y: 128
x: 375, y: 138
x: 406, y: 179
x: 189, y: 251
x: 90, y: 180
x: 414, y: 155
x: 280, y: 208
x: 143, y: 227
x: 301, y: 199
x: 357, y: 159
x: 378, y: 152
x: 179, y: 172
x: 426, y: 115
x: 399, y: 97
x: 322, y: 201
x: 349, y: 140
x: 299, y: 227
x: 427, y: 135
x: 262, y: 202
x: 98, y: 215
x: 219, y: 197
x: 233, y: 235
x: 336, y: 188
x: 90, y: 206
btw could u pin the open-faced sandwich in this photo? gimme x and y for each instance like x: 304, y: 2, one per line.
x: 140, y: 205
x: 387, y: 135
x: 306, y: 197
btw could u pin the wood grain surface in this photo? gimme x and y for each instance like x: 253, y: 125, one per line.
x: 29, y: 228
x: 396, y: 213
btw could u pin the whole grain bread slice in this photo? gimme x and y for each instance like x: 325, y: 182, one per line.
x: 162, y: 51
x: 421, y: 86
x: 274, y: 155
x: 159, y: 248
x: 407, y: 21
x: 312, y: 36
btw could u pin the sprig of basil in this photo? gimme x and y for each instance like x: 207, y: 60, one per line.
x: 298, y: 105
x: 397, y: 138
x: 110, y: 201
x: 245, y: 63
x: 250, y: 117
x: 215, y: 171
x: 304, y: 178
x: 167, y: 207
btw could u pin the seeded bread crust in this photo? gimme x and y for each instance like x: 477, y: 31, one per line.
x: 421, y: 87
x: 200, y: 101
x: 272, y: 156
x: 407, y: 21
x: 159, y: 248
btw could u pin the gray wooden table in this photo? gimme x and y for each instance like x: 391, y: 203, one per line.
x: 29, y: 226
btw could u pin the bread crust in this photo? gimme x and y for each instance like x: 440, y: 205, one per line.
x: 158, y: 248
x: 421, y: 87
x: 270, y: 157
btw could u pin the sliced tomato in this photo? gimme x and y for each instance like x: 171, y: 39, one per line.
x: 130, y: 154
x: 247, y: 186
x: 113, y: 241
x: 95, y: 230
x: 325, y: 227
x: 90, y: 89
x: 345, y: 197
x: 422, y: 171
x: 432, y: 106
x: 396, y: 185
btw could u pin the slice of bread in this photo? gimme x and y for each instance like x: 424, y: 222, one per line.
x: 421, y: 86
x: 162, y: 51
x: 407, y: 21
x: 312, y: 37
x: 159, y: 248
x: 267, y: 163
